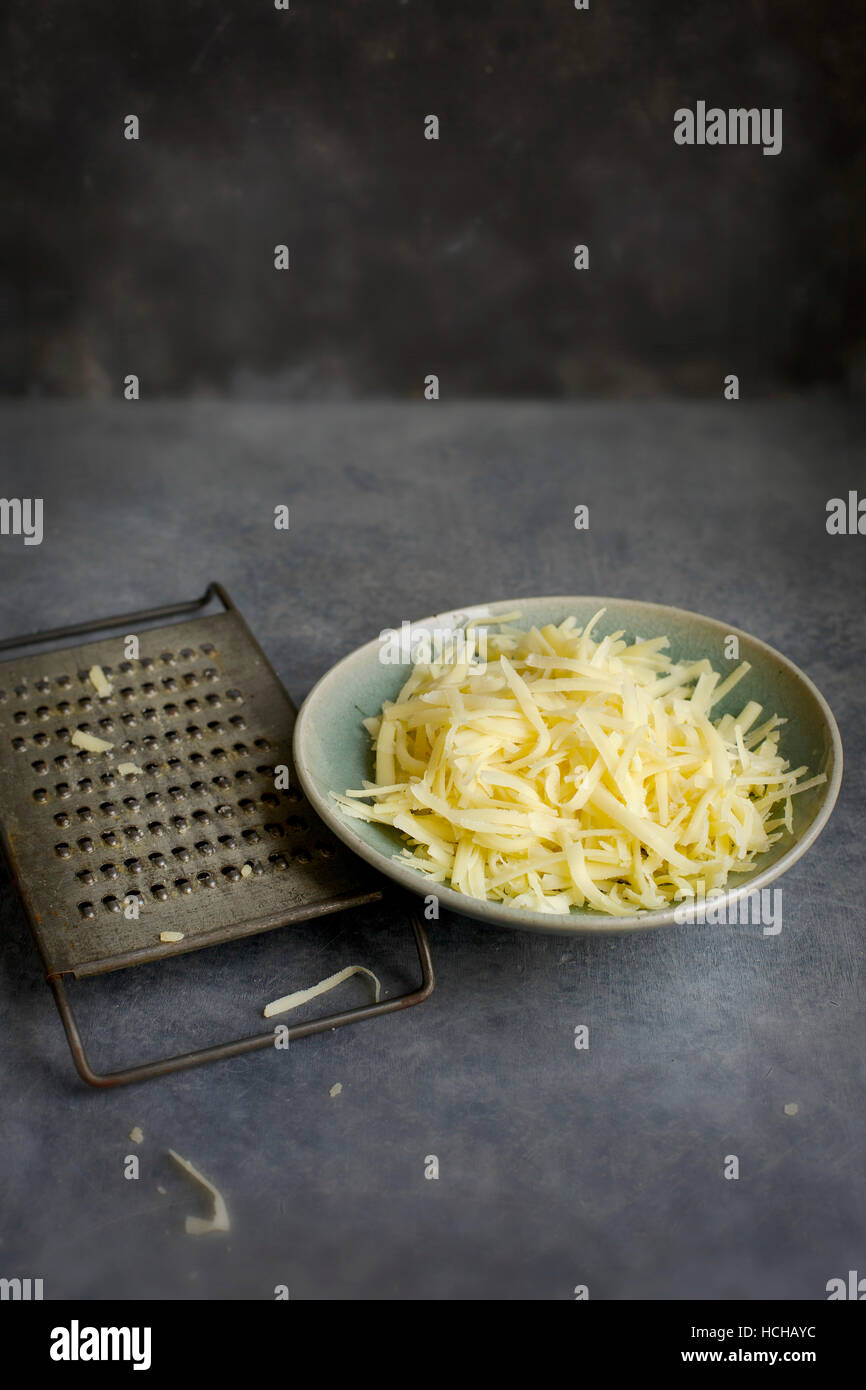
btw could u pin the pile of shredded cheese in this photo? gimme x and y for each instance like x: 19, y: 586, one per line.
x: 566, y: 772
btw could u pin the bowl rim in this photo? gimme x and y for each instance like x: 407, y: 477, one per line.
x: 521, y: 919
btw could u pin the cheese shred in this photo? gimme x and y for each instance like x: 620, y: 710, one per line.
x: 303, y: 996
x: 219, y: 1220
x: 565, y: 772
x: 100, y: 682
x: 90, y: 742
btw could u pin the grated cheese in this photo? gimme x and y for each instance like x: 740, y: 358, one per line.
x: 302, y: 996
x: 171, y: 936
x: 90, y: 742
x: 219, y: 1221
x: 99, y: 680
x: 129, y: 769
x: 566, y: 772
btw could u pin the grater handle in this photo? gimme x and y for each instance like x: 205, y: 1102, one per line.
x: 167, y: 1065
x: 144, y: 615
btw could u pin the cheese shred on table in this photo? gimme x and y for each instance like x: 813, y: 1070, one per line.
x: 303, y: 996
x: 219, y: 1218
x: 565, y: 772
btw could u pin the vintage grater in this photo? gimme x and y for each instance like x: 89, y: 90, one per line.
x: 200, y: 838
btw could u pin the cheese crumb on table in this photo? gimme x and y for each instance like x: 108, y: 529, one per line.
x: 336, y: 1089
x: 171, y: 936
x: 136, y: 1134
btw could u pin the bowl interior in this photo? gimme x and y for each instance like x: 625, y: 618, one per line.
x: 333, y: 750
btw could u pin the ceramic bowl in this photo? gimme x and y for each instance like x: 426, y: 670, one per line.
x: 332, y: 748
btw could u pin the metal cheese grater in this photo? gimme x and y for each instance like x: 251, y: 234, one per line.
x: 197, y: 840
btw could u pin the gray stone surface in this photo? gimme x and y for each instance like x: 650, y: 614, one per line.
x: 557, y: 1167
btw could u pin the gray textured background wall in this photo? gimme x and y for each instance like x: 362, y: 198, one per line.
x: 412, y: 256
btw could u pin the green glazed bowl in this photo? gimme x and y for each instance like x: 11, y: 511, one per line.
x: 332, y: 748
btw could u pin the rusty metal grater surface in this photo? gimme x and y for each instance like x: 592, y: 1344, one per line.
x: 205, y: 718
